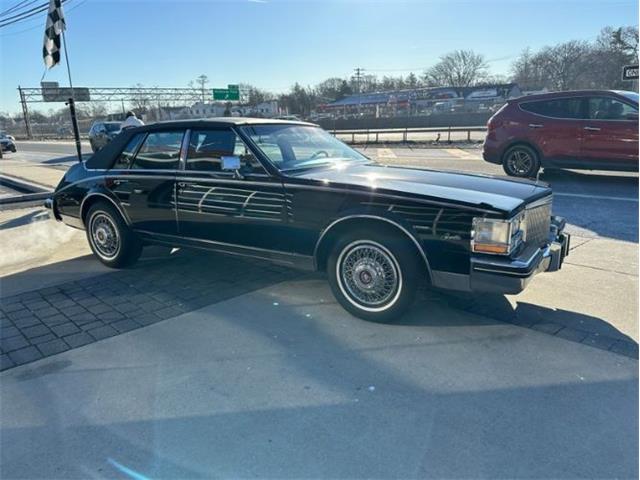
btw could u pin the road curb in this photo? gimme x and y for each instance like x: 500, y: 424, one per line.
x: 34, y: 193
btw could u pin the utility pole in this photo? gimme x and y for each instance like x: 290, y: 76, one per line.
x: 358, y: 76
x: 25, y: 114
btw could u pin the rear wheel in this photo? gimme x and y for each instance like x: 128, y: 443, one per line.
x: 111, y: 240
x: 521, y: 161
x: 373, y: 276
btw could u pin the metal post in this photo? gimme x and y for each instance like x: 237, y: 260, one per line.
x: 72, y: 103
x: 25, y: 114
x: 449, y: 134
x: 469, y: 135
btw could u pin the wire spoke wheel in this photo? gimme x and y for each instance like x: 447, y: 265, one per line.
x: 104, y: 235
x: 369, y: 275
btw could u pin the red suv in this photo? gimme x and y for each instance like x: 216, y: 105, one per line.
x: 588, y: 129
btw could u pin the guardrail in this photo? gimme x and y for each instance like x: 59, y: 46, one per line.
x: 375, y: 133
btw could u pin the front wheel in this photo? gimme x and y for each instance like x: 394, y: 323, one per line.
x: 373, y: 276
x: 521, y: 161
x: 111, y: 240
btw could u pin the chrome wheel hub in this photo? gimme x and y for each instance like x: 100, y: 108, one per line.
x: 369, y: 274
x: 105, y: 236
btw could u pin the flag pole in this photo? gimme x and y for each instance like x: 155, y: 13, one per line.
x: 72, y: 102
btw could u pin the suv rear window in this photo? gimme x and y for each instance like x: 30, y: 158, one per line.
x: 559, y: 108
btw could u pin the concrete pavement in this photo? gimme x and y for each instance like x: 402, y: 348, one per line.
x: 282, y: 383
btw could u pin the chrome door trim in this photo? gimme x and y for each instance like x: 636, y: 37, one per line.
x: 254, y: 252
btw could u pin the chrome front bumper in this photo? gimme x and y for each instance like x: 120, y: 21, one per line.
x: 512, y: 275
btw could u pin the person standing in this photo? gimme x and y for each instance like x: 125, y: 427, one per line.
x: 131, y: 121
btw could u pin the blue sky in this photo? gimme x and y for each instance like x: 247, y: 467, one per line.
x: 272, y: 43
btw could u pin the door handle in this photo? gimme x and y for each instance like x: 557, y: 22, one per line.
x: 535, y: 125
x: 138, y: 191
x: 181, y: 184
x: 592, y: 129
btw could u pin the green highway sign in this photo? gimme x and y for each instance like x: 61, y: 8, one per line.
x: 232, y: 93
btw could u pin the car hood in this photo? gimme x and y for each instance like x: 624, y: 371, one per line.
x: 482, y: 191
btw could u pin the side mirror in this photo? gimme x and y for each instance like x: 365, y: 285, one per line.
x: 231, y: 163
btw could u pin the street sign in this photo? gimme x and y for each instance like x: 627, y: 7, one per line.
x: 630, y: 72
x: 52, y: 93
x: 230, y: 94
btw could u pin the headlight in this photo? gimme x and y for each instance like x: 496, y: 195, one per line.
x: 496, y: 236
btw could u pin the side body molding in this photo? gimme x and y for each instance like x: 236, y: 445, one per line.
x: 371, y: 217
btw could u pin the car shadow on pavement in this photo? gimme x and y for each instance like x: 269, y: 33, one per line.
x: 46, y: 321
x: 34, y: 216
x: 568, y: 325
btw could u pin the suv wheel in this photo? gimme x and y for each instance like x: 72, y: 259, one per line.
x: 374, y: 277
x: 521, y: 161
x: 111, y: 240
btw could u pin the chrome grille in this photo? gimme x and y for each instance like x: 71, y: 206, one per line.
x: 538, y: 223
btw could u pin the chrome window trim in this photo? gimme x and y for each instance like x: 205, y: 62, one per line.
x: 372, y: 217
x: 183, y: 149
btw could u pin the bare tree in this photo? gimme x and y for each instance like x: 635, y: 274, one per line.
x: 460, y: 68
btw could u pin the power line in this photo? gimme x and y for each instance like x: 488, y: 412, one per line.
x: 16, y: 6
x: 38, y: 21
x: 31, y: 11
x: 25, y: 15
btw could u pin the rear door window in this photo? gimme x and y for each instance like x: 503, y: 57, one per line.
x: 571, y: 108
x: 160, y: 151
x: 124, y: 159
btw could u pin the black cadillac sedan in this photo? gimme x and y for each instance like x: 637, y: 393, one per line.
x: 291, y: 193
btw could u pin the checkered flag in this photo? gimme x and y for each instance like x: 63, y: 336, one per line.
x: 55, y: 26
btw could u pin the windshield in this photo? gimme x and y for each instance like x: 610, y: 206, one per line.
x: 295, y: 147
